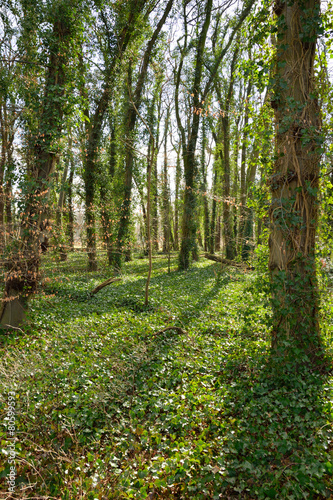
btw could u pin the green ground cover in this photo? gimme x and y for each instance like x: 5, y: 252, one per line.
x: 106, y: 409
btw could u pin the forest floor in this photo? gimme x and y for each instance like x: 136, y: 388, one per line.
x: 106, y: 409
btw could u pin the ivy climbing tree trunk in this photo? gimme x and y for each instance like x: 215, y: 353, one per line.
x: 188, y: 243
x: 294, y: 184
x: 23, y: 266
x: 204, y: 185
x: 245, y: 212
x: 135, y: 98
x: 154, y: 183
x: 177, y: 203
x: 211, y: 246
x: 228, y: 234
x: 165, y: 189
x: 70, y: 207
x: 125, y: 25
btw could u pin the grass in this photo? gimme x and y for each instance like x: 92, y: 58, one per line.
x: 108, y: 410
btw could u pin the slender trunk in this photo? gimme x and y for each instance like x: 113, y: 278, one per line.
x: 71, y: 216
x: 154, y: 181
x: 178, y: 180
x: 149, y: 170
x: 188, y: 244
x: 89, y: 184
x: 204, y: 186
x: 246, y: 214
x: 125, y: 211
x: 8, y: 209
x: 236, y: 186
x: 63, y: 187
x: 60, y: 207
x: 228, y: 235
x: 93, y: 131
x: 165, y: 192
x: 213, y: 215
x: 130, y: 121
x: 218, y: 234
x: 105, y: 194
x: 3, y: 158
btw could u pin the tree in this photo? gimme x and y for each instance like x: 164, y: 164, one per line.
x: 189, y: 143
x: 23, y: 266
x: 134, y: 98
x: 117, y: 36
x: 229, y: 241
x: 189, y: 140
x: 294, y: 182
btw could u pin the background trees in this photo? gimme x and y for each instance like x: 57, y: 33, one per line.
x: 185, y: 146
x: 202, y: 76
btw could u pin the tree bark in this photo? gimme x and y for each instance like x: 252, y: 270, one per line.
x: 165, y: 191
x: 228, y: 234
x: 245, y: 218
x: 130, y: 121
x: 71, y: 216
x: 294, y: 184
x: 188, y: 243
x: 204, y: 186
x: 23, y: 269
x: 61, y: 201
x: 177, y: 190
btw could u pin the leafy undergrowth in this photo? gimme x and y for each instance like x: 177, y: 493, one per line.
x: 106, y: 409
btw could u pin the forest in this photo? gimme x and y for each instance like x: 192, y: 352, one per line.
x: 166, y: 235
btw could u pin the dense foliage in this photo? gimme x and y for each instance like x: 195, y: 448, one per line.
x: 166, y: 216
x: 108, y: 409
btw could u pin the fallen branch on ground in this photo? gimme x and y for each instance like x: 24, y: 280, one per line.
x: 176, y: 328
x: 102, y: 285
x: 227, y: 262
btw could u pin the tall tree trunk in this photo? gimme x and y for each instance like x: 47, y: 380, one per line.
x: 247, y: 229
x: 218, y: 234
x: 204, y: 186
x: 61, y: 201
x: 125, y: 210
x: 165, y: 191
x: 8, y: 208
x: 235, y: 185
x: 154, y: 174
x: 154, y: 211
x: 213, y: 215
x: 3, y: 161
x: 294, y: 184
x: 178, y: 180
x: 105, y: 194
x: 130, y: 121
x: 188, y: 244
x: 70, y: 206
x: 228, y: 234
x: 245, y: 212
x: 23, y: 267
